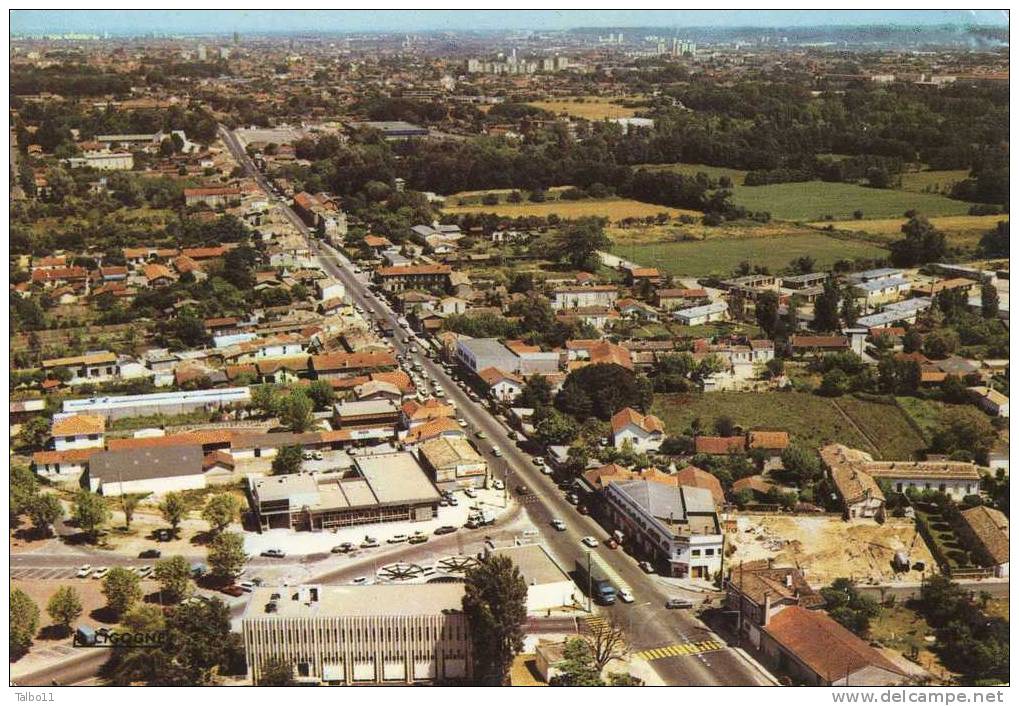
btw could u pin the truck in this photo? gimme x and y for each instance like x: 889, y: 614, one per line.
x: 480, y: 518
x: 594, y: 577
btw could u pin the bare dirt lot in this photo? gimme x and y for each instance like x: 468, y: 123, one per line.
x: 827, y: 548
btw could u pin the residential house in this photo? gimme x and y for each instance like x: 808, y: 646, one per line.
x: 985, y: 531
x: 574, y: 297
x: 990, y: 400
x: 502, y: 386
x: 78, y: 431
x: 643, y: 433
x: 92, y: 367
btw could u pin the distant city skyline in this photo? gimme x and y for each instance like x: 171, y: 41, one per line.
x: 224, y: 22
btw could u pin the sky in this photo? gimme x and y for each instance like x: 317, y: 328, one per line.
x: 136, y: 22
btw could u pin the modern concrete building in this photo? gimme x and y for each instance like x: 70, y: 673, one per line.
x: 346, y: 635
x: 477, y: 354
x: 155, y: 470
x: 453, y: 463
x: 549, y: 587
x: 677, y: 526
x: 388, y: 487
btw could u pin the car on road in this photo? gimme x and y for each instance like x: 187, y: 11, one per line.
x: 625, y: 596
x: 84, y: 570
x: 572, y: 498
x: 538, y: 461
x: 440, y: 394
x: 547, y: 471
x: 674, y: 603
x: 343, y: 548
x: 496, y: 451
x: 397, y: 539
x: 100, y: 572
x: 307, y: 455
x: 150, y: 554
x: 370, y: 543
x: 522, y: 490
x: 359, y: 580
x: 589, y: 541
x: 498, y: 485
x: 582, y: 509
x: 445, y: 529
x: 233, y: 590
x: 481, y: 435
x: 611, y: 544
x: 462, y: 423
x: 274, y: 553
x: 559, y: 525
x: 454, y: 502
x: 470, y: 493
x: 418, y: 539
x: 646, y: 567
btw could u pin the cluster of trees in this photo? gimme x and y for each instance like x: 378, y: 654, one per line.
x: 846, y: 605
x: 27, y: 499
x: 970, y: 641
x: 602, y: 389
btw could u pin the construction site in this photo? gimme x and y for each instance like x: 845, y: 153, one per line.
x: 827, y: 548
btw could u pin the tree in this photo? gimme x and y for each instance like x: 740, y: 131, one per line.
x: 90, y: 513
x: 495, y: 602
x: 173, y: 509
x: 995, y: 243
x: 849, y: 309
x: 912, y: 341
x: 835, y: 383
x: 802, y: 463
x: 608, y: 642
x: 725, y: 426
x: 24, y: 622
x: 174, y: 576
x: 321, y: 394
x: 580, y: 242
x: 23, y: 489
x: 989, y: 300
x: 847, y: 606
x: 964, y: 428
x: 64, y: 607
x: 578, y: 667
x: 34, y: 433
x: 128, y: 503
x: 941, y: 343
x: 537, y: 392
x: 921, y: 243
x: 766, y: 311
x: 826, y: 307
x: 122, y: 590
x: 220, y: 510
x: 276, y: 672
x: 555, y: 429
x: 601, y: 390
x: 45, y: 509
x: 297, y: 412
x: 226, y: 556
x: 287, y: 460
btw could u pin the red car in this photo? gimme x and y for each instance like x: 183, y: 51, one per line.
x: 611, y: 543
x: 234, y: 590
x: 582, y: 509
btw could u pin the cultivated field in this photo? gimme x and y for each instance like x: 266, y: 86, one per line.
x: 938, y: 181
x: 886, y: 427
x: 587, y: 107
x: 741, y: 230
x: 699, y: 258
x: 827, y: 548
x: 736, y: 175
x: 615, y: 209
x: 960, y: 230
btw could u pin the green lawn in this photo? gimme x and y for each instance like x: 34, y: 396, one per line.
x: 705, y: 257
x: 887, y: 426
x: 684, y: 168
x: 809, y: 419
x: 925, y: 413
x: 815, y: 200
x: 935, y: 180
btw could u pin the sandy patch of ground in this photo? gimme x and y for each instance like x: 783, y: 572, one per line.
x: 826, y: 548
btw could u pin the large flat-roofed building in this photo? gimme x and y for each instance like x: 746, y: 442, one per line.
x: 548, y: 586
x: 389, y: 487
x: 477, y: 354
x: 147, y: 470
x: 348, y: 635
x: 168, y: 403
x: 453, y: 463
x: 395, y: 129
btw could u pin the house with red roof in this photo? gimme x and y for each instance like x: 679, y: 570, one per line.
x: 643, y: 432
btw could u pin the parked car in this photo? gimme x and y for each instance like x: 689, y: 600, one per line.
x: 418, y: 539
x: 481, y: 435
x: 625, y: 596
x: 369, y: 543
x: 233, y: 590
x: 84, y: 570
x: 454, y: 502
x: 589, y: 541
x: 572, y: 498
x: 445, y: 529
x: 307, y: 455
x: 582, y: 509
x: 678, y: 603
x: 538, y: 461
x: 343, y: 548
x: 101, y: 572
x: 397, y: 539
x: 496, y: 451
x: 246, y: 586
x: 647, y: 567
x: 462, y: 423
x: 470, y: 493
x: 150, y: 554
x: 559, y: 525
x: 274, y: 553
x: 498, y: 485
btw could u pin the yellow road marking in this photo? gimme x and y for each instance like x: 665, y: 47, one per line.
x: 681, y: 649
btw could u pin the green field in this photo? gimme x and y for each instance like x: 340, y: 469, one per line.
x: 938, y: 181
x: 815, y: 200
x: 722, y: 256
x: 925, y: 413
x: 886, y: 426
x: 809, y: 419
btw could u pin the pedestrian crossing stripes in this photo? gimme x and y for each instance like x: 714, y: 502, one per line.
x: 688, y: 648
x: 595, y: 622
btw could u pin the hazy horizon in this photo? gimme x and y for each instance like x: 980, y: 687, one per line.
x: 217, y: 22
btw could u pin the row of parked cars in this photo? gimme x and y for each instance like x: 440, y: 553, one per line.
x: 100, y: 572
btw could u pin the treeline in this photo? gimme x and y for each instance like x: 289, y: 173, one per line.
x: 73, y: 81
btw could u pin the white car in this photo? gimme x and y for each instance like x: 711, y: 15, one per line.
x: 498, y: 484
x: 589, y: 541
x: 625, y: 596
x: 144, y: 571
x: 470, y: 493
x: 397, y: 539
x: 496, y: 451
x: 84, y: 571
x: 100, y: 572
x: 559, y: 525
x: 462, y: 423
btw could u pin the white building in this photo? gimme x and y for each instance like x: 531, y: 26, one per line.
x: 549, y: 587
x: 990, y: 400
x: 156, y: 470
x: 699, y: 315
x: 642, y: 432
x: 583, y: 296
x: 78, y: 431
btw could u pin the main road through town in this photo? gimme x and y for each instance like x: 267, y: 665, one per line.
x: 649, y: 625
